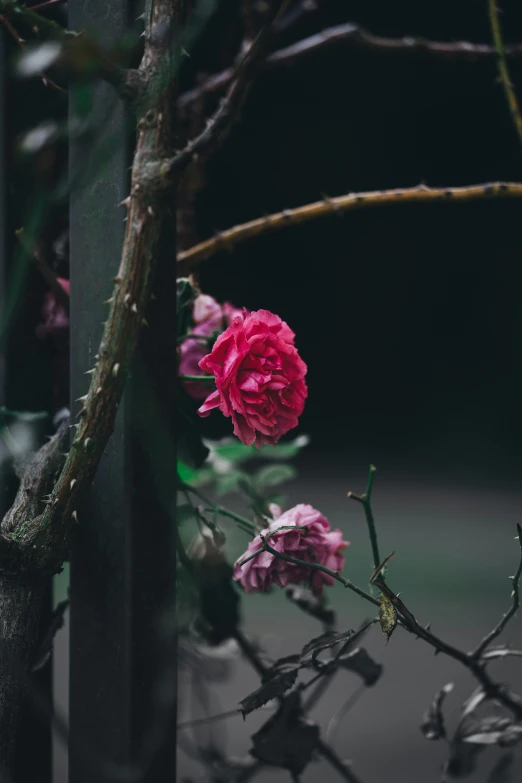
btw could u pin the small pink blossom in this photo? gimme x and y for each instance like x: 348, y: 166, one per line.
x: 316, y: 544
x: 56, y: 320
x: 208, y: 317
x: 259, y: 377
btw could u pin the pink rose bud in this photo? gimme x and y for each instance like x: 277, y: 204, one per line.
x: 259, y: 378
x: 56, y: 320
x: 209, y: 317
x: 316, y: 544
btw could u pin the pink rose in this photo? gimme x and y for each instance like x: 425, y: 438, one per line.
x: 208, y: 317
x: 259, y: 377
x: 56, y: 321
x: 316, y: 544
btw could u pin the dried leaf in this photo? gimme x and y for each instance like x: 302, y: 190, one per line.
x: 286, y: 740
x: 387, y: 616
x: 432, y: 725
x: 311, y: 604
x: 329, y: 639
x: 493, y: 730
x: 271, y: 689
x: 360, y: 662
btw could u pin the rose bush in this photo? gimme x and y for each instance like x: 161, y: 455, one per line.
x: 209, y: 317
x: 316, y: 543
x: 259, y: 377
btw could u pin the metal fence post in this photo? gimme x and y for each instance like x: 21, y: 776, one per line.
x: 122, y: 568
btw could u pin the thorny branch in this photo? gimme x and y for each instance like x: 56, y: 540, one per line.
x: 231, y: 237
x: 229, y: 108
x: 352, y: 37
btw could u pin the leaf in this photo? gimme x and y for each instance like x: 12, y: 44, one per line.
x: 231, y: 482
x: 432, y: 724
x: 310, y: 604
x: 360, y: 662
x: 233, y: 450
x: 273, y: 476
x: 45, y: 647
x: 286, y: 740
x: 387, y: 616
x: 493, y: 730
x: 271, y: 689
x: 329, y: 639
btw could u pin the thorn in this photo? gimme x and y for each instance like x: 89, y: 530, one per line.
x: 116, y: 369
x: 126, y: 298
x: 125, y: 202
x: 117, y: 280
x: 90, y: 372
x: 134, y: 308
x: 144, y: 322
x: 150, y: 211
x: 86, y: 442
x: 96, y: 355
x: 81, y: 399
x: 75, y: 516
x: 73, y: 482
x: 99, y: 390
x: 110, y: 300
x: 73, y: 425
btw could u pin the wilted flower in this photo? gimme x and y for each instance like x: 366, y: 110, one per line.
x: 259, y: 377
x: 316, y: 543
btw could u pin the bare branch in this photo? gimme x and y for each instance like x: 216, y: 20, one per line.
x: 219, y: 124
x: 497, y: 630
x: 353, y: 38
x: 231, y: 237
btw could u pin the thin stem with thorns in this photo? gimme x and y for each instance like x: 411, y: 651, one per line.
x: 351, y: 38
x: 421, y: 194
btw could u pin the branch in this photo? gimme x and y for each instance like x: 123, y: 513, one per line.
x: 511, y: 611
x: 230, y: 238
x: 352, y: 37
x: 44, y: 539
x: 503, y: 69
x: 219, y: 124
x: 366, y: 502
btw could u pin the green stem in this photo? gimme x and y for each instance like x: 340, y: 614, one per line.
x: 366, y: 502
x: 503, y: 69
x: 246, y: 523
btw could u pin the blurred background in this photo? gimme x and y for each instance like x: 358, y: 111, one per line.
x: 409, y: 320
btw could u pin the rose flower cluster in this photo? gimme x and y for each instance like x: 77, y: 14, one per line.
x: 260, y: 384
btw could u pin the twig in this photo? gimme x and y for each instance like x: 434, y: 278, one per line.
x: 497, y: 630
x: 235, y: 713
x: 343, y: 710
x: 332, y: 758
x: 47, y: 4
x: 366, y: 503
x: 221, y: 121
x: 503, y: 69
x: 230, y: 238
x: 351, y: 37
